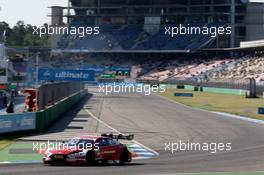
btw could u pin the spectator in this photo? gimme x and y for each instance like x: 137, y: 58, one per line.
x: 10, y: 108
x: 29, y: 103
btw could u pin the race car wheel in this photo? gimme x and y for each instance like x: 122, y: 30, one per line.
x: 124, y: 156
x: 89, y: 158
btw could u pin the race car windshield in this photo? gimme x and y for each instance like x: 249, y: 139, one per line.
x: 72, y: 142
x: 80, y: 142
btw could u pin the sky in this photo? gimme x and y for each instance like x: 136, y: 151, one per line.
x: 34, y: 11
x: 30, y: 11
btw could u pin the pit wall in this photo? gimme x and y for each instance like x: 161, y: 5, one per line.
x: 33, y: 122
x: 47, y: 116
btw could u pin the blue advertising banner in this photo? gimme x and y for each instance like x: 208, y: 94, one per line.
x: 260, y: 110
x: 123, y: 69
x: 31, y: 71
x: 17, y: 122
x: 66, y: 75
x: 183, y: 94
x: 101, y: 68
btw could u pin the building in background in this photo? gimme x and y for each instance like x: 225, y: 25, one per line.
x: 246, y: 17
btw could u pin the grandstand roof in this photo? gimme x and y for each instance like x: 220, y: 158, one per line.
x: 117, y: 51
x: 248, y: 48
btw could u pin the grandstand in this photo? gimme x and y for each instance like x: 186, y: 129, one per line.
x: 200, y: 69
x: 138, y: 25
x: 132, y: 34
x: 148, y: 67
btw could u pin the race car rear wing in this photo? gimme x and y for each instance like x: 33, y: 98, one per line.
x: 118, y: 136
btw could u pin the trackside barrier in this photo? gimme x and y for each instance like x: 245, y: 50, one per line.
x: 17, y: 122
x: 225, y: 91
x: 38, y: 121
x: 47, y: 116
x: 214, y: 90
x: 51, y: 93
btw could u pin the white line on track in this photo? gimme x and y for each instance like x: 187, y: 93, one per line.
x: 215, y: 173
x: 20, y: 162
x: 115, y: 130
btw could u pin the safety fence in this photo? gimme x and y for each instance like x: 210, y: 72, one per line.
x: 49, y: 94
x: 46, y: 117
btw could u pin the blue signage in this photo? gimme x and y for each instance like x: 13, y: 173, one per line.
x: 123, y: 69
x: 183, y: 94
x: 17, y: 122
x: 101, y: 68
x: 260, y: 110
x: 66, y: 75
x: 97, y: 69
x: 31, y: 71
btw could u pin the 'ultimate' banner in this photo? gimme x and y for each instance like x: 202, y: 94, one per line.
x: 66, y: 75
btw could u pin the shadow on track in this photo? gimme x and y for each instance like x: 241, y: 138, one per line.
x: 99, y: 165
x: 63, y: 122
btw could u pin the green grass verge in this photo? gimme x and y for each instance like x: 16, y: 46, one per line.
x: 7, y: 157
x: 233, y: 104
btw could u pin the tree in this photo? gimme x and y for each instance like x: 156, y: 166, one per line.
x: 21, y: 35
x: 4, y: 27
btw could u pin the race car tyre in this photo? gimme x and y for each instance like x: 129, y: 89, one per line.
x: 124, y: 156
x: 89, y: 158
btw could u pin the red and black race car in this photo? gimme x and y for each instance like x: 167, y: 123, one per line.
x: 87, y: 150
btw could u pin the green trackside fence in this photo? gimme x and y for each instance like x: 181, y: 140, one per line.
x: 47, y: 116
x: 225, y: 91
x: 213, y: 90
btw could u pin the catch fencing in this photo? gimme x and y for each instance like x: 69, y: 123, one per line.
x: 50, y: 94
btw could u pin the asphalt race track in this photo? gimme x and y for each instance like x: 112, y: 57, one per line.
x: 156, y: 121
